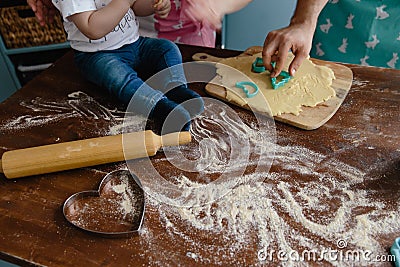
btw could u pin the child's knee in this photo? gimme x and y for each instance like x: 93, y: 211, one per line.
x: 171, y: 47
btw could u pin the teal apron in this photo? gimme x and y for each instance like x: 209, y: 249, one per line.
x: 364, y: 32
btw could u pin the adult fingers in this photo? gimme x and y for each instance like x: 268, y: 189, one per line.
x: 296, y: 63
x: 282, y: 54
x: 275, y: 49
x: 51, y: 15
x: 40, y: 15
x: 269, y: 49
x: 32, y: 4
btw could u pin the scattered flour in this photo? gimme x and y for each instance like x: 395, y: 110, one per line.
x: 76, y: 105
x: 359, y: 83
x: 326, y: 207
x: 128, y: 201
x: 276, y: 212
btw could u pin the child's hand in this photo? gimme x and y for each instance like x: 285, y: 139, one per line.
x: 205, y: 11
x: 211, y: 12
x: 162, y: 8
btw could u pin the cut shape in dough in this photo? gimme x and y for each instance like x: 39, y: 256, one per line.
x: 309, y: 87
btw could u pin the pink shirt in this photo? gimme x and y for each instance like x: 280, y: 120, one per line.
x: 178, y: 28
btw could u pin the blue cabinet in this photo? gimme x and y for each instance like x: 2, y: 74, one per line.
x: 22, y: 54
x: 10, y: 60
x: 249, y: 26
x: 7, y: 84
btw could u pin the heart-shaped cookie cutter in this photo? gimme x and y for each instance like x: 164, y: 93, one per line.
x: 116, y: 209
x: 242, y: 84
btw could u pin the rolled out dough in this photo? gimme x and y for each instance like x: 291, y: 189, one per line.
x: 310, y: 86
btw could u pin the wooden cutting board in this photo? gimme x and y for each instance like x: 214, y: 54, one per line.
x: 311, y: 117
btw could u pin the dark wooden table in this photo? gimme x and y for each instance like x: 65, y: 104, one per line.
x: 331, y: 193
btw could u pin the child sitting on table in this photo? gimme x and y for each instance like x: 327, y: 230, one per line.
x: 179, y: 26
x: 110, y: 53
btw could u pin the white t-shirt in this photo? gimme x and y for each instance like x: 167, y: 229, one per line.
x: 147, y: 26
x: 126, y: 32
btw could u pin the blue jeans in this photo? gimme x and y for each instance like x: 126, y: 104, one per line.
x: 123, y: 71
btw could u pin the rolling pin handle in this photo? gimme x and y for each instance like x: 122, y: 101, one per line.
x: 85, y: 153
x: 175, y: 139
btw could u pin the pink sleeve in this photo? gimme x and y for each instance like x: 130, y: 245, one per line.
x: 184, y: 5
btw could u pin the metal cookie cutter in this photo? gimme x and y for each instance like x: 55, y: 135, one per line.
x: 116, y: 209
x: 285, y: 78
x: 241, y: 85
x: 258, y: 65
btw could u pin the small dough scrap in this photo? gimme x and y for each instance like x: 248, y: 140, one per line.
x: 310, y: 86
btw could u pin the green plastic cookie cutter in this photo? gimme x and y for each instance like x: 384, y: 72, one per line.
x: 258, y: 65
x: 241, y: 85
x: 285, y: 78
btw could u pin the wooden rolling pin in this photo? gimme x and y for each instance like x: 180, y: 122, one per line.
x: 87, y: 152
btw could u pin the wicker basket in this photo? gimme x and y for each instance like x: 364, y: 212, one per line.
x: 19, y: 28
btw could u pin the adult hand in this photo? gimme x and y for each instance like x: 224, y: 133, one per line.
x: 162, y: 8
x: 44, y: 10
x: 296, y: 38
